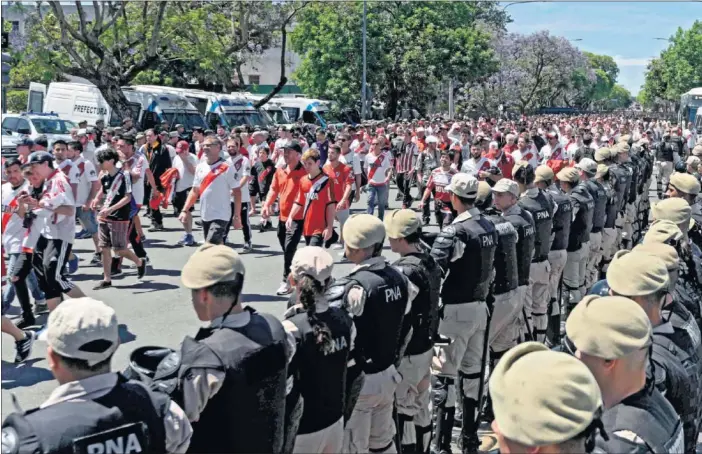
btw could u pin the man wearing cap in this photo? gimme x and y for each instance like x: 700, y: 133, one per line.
x: 412, y: 395
x: 557, y: 412
x: 128, y: 126
x: 666, y: 156
x: 24, y: 148
x: 93, y: 409
x: 88, y: 146
x: 687, y: 187
x: 541, y: 208
x: 620, y: 178
x: 378, y: 296
x: 579, y: 236
x: 56, y: 212
x: 557, y: 255
x: 465, y: 252
x: 628, y: 162
x: 427, y: 161
x: 644, y: 279
x: 588, y: 172
x: 230, y: 411
x: 611, y: 335
x: 285, y: 187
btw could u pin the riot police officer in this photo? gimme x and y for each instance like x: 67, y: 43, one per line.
x: 504, y: 321
x: 626, y: 160
x: 612, y: 336
x: 665, y: 155
x: 324, y: 337
x: 557, y: 256
x: 579, y: 237
x: 378, y: 297
x: 93, y: 409
x: 558, y: 411
x: 541, y: 208
x: 687, y: 187
x: 643, y: 278
x: 588, y: 174
x: 229, y: 411
x: 621, y: 180
x: 609, y: 230
x: 412, y: 395
x: 505, y: 198
x: 465, y: 252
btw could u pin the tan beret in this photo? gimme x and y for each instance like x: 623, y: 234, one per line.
x: 463, y: 185
x: 542, y: 409
x: 686, y: 183
x: 602, y: 170
x: 312, y: 261
x: 603, y: 154
x: 662, y: 231
x: 697, y: 150
x: 693, y: 161
x: 636, y: 274
x: 506, y: 185
x: 609, y: 327
x: 211, y: 264
x: 674, y: 209
x: 543, y: 173
x: 625, y: 138
x: 622, y: 147
x: 401, y: 223
x: 522, y: 164
x: 569, y: 174
x: 363, y: 230
x: 663, y: 251
x: 484, y: 191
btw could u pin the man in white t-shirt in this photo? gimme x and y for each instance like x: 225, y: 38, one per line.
x: 87, y: 185
x: 242, y: 171
x: 56, y: 208
x: 379, y: 167
x: 185, y: 162
x: 214, y: 181
x: 353, y: 160
x: 88, y: 146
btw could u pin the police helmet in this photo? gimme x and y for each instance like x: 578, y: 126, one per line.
x: 144, y: 362
x: 600, y: 288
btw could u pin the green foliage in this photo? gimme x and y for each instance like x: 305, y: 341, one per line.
x: 678, y: 69
x: 16, y: 100
x: 619, y: 98
x: 411, y: 47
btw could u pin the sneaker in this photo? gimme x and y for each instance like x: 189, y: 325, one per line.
x: 141, y: 269
x: 189, y: 240
x: 25, y: 322
x: 181, y: 241
x: 116, y: 272
x: 40, y: 307
x: 284, y: 289
x: 102, y: 285
x: 148, y: 260
x: 83, y: 235
x: 246, y: 248
x: 73, y: 264
x: 97, y: 259
x: 24, y: 346
x: 198, y: 222
x: 155, y: 227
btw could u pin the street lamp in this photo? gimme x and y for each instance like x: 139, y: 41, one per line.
x: 662, y: 39
x: 519, y: 3
x: 575, y: 39
x: 363, y: 81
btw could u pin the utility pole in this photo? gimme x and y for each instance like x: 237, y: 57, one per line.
x: 363, y: 82
x: 452, y: 106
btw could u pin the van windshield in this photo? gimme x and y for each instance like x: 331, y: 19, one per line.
x: 279, y: 116
x: 293, y: 113
x: 189, y: 119
x: 52, y: 126
x: 252, y: 118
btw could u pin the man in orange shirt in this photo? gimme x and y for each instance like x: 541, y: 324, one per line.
x: 343, y: 185
x: 285, y: 187
x: 315, y: 201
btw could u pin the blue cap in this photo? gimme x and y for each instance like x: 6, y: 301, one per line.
x: 38, y: 157
x: 27, y: 142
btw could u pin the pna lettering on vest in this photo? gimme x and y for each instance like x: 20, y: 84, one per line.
x: 393, y: 294
x: 126, y: 439
x: 119, y: 445
x: 487, y: 240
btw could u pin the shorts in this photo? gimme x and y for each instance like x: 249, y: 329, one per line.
x: 87, y: 219
x: 49, y: 263
x: 114, y: 234
x: 179, y: 199
x: 215, y: 231
x: 254, y: 187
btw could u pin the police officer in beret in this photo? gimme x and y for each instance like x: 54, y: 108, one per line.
x: 554, y: 412
x: 611, y: 335
x: 579, y: 237
x: 557, y: 255
x: 325, y: 335
x: 93, y: 409
x: 465, y: 251
x: 542, y: 208
x: 412, y: 395
x: 626, y: 159
x: 621, y: 181
x: 588, y: 172
x: 644, y: 279
x: 687, y: 187
x: 231, y: 379
x: 378, y: 297
x: 609, y: 231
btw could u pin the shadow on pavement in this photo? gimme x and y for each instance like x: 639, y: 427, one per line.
x: 148, y: 286
x: 23, y: 374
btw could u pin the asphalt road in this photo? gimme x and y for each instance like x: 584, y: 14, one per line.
x: 156, y: 311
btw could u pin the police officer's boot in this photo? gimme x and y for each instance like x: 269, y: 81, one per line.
x: 423, y: 436
x: 404, y: 424
x: 443, y: 415
x: 553, y: 329
x: 469, y: 432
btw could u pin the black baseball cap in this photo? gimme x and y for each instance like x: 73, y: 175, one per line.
x: 37, y: 158
x: 294, y: 145
x: 27, y: 142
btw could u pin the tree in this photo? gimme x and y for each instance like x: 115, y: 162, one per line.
x: 618, y: 98
x: 606, y: 72
x: 411, y: 47
x: 678, y: 69
x: 534, y: 70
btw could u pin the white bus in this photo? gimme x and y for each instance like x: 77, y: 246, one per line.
x: 690, y: 102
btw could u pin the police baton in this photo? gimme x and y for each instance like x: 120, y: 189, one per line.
x: 490, y: 300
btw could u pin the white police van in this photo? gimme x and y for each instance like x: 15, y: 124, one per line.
x: 84, y: 102
x: 278, y: 115
x: 33, y: 125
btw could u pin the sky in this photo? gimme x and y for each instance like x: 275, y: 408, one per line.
x: 623, y: 30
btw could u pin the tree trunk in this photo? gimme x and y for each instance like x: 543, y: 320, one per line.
x: 283, y: 80
x: 393, y: 103
x: 112, y: 92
